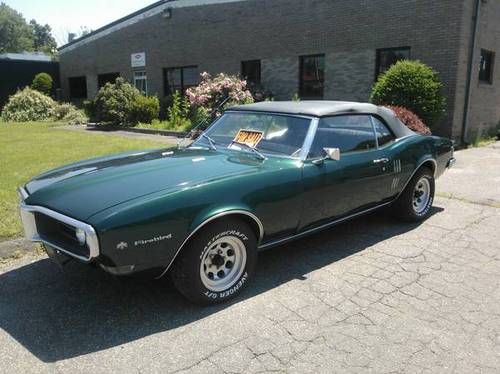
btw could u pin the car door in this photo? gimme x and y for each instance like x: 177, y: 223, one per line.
x: 356, y: 181
x: 389, y: 158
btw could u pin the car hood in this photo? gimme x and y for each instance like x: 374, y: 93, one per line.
x: 83, y: 189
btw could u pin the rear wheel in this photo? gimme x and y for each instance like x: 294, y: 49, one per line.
x: 415, y: 202
x: 217, y: 263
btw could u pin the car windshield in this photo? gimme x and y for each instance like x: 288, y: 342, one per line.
x: 268, y: 133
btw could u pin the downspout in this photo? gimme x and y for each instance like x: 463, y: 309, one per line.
x: 470, y: 72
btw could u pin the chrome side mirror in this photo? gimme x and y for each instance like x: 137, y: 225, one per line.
x: 330, y: 154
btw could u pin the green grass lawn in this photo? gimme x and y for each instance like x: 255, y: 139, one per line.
x: 28, y: 149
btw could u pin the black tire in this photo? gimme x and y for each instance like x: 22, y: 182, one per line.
x: 404, y: 207
x: 187, y: 269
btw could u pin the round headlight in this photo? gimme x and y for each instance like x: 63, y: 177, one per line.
x: 81, y: 236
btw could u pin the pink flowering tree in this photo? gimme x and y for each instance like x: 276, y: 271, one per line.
x: 212, y: 91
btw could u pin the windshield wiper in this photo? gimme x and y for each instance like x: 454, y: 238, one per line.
x: 210, y: 141
x: 254, y: 150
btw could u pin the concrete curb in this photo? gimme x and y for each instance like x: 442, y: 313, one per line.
x: 95, y: 127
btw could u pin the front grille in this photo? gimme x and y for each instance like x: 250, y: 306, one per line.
x: 60, y: 234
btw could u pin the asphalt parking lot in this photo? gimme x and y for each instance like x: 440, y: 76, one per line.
x: 372, y: 295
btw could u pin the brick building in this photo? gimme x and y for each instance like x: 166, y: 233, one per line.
x: 330, y: 49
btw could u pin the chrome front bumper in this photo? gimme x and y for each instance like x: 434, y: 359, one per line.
x: 32, y: 233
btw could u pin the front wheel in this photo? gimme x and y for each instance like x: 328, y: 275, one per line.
x: 218, y: 263
x: 415, y: 202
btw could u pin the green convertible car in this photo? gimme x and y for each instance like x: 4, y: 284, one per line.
x: 260, y: 175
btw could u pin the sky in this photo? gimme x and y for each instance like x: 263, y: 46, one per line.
x: 71, y: 15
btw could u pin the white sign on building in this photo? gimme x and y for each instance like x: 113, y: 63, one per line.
x: 138, y: 60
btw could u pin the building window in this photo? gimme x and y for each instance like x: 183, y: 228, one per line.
x: 250, y: 71
x: 77, y: 87
x: 141, y: 81
x: 102, y: 79
x: 486, y: 67
x: 312, y: 76
x: 179, y: 79
x: 389, y: 56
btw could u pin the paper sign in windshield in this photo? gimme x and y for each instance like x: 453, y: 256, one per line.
x: 249, y: 137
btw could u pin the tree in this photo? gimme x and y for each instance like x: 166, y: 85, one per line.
x: 42, y: 83
x: 15, y: 34
x: 43, y: 40
x: 414, y: 86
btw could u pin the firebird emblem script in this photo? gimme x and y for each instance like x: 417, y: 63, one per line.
x: 152, y: 240
x: 121, y: 245
x: 137, y: 243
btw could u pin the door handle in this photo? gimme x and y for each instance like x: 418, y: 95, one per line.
x: 384, y: 160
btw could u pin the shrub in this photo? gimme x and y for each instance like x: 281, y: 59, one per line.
x: 178, y: 112
x: 70, y: 114
x: 212, y: 91
x: 114, y: 103
x: 410, y: 119
x: 198, y: 116
x: 260, y: 94
x: 412, y: 85
x: 145, y: 109
x: 62, y: 110
x: 76, y: 117
x: 42, y: 83
x: 28, y: 105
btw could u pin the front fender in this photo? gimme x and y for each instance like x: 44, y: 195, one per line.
x: 205, y: 218
x: 152, y: 232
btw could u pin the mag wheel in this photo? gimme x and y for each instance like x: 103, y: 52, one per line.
x: 415, y: 202
x: 224, y: 262
x: 218, y: 263
x: 421, y: 195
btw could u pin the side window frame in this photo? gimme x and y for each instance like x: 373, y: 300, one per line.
x: 382, y: 121
x: 374, y: 133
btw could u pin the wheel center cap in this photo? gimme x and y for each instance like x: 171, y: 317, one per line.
x: 218, y: 260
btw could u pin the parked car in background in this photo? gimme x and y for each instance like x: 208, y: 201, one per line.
x: 261, y: 175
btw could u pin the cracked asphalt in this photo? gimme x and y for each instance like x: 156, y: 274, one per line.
x: 372, y: 295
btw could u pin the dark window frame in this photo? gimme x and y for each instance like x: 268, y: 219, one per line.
x: 301, y: 81
x: 485, y: 76
x: 378, y: 56
x: 84, y: 91
x: 259, y: 74
x: 166, y: 86
x: 101, y: 82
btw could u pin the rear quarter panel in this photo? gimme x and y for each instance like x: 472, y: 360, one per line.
x: 413, y: 151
